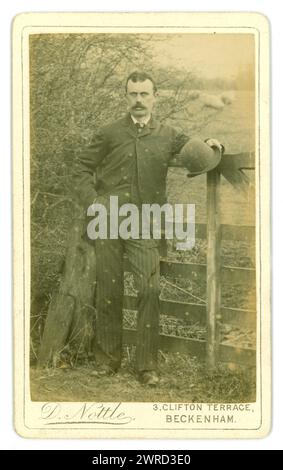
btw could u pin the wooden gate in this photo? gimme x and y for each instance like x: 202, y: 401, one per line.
x: 73, y: 300
x: 212, y: 313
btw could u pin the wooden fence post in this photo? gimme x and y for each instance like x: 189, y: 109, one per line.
x: 213, y: 265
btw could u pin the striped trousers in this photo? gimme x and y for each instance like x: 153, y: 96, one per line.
x: 143, y: 256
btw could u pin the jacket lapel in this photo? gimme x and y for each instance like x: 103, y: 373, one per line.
x: 129, y: 125
x: 151, y: 125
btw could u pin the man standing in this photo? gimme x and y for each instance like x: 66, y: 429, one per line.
x: 130, y: 158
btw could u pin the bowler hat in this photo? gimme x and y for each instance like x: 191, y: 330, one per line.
x: 198, y: 157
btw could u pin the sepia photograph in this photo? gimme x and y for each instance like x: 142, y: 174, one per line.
x: 140, y: 183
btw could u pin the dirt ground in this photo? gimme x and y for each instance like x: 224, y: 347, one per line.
x: 182, y: 379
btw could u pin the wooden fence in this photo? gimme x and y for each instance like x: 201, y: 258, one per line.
x: 212, y: 312
x: 71, y: 310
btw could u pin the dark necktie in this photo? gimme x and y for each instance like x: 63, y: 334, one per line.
x: 139, y: 126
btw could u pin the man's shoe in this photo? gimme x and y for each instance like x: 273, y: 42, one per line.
x: 150, y: 378
x: 103, y: 371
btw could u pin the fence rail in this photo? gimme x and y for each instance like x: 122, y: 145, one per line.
x: 192, y: 313
x: 229, y: 232
x: 197, y: 348
x: 181, y: 270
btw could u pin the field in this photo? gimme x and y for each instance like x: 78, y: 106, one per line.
x: 183, y: 378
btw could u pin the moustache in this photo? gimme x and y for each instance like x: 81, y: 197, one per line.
x: 138, y: 107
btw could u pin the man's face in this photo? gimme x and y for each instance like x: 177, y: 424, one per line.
x: 141, y: 98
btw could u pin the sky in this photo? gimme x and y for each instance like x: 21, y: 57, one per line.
x: 211, y: 55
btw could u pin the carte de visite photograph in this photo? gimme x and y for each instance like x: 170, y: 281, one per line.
x: 141, y: 225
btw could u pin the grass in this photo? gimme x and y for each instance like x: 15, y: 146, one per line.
x: 183, y: 379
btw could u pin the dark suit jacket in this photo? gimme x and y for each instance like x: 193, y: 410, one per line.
x: 116, y: 148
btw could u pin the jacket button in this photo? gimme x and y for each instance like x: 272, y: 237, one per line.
x: 130, y: 155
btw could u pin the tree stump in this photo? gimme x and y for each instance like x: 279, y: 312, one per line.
x: 70, y: 318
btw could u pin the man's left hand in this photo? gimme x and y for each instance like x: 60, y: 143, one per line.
x: 215, y: 143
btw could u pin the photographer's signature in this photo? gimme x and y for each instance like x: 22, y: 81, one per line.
x: 86, y: 413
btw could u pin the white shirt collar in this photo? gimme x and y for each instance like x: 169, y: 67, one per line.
x: 143, y: 121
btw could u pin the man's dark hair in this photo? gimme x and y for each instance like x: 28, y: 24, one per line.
x: 140, y: 77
